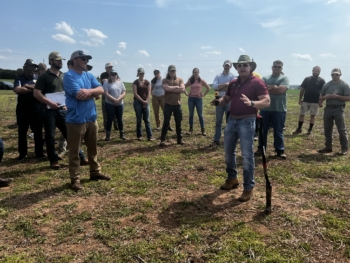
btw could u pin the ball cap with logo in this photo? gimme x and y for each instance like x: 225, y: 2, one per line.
x: 171, y: 68
x: 109, y: 64
x: 228, y: 62
x: 30, y: 62
x: 79, y: 54
x: 336, y: 71
x: 55, y: 56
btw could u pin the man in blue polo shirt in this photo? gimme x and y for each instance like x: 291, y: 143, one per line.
x: 81, y: 88
x: 28, y: 111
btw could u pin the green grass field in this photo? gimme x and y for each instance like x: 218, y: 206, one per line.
x: 164, y: 204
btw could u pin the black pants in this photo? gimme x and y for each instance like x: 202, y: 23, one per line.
x: 53, y: 119
x: 168, y: 111
x: 29, y: 116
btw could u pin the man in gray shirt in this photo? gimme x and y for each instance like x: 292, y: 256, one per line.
x: 336, y: 93
x: 220, y: 85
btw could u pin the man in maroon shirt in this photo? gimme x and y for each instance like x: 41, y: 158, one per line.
x: 247, y: 94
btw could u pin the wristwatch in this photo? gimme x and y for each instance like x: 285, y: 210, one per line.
x: 252, y: 103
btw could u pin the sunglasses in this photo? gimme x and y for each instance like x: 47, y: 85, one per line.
x: 277, y: 66
x: 157, y: 72
x: 84, y: 59
x: 242, y: 65
x: 334, y: 74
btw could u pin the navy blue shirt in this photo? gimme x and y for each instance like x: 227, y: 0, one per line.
x: 27, y: 99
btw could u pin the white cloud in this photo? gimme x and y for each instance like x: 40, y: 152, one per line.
x: 212, y: 71
x: 330, y: 2
x: 94, y: 33
x: 119, y: 53
x: 93, y: 42
x: 236, y: 2
x: 163, y: 66
x: 272, y: 23
x: 213, y: 52
x: 139, y: 65
x: 122, y: 45
x: 4, y: 58
x: 203, y: 55
x: 63, y: 38
x: 180, y: 55
x: 149, y: 65
x: 198, y: 7
x: 143, y: 53
x: 327, y: 55
x: 206, y: 47
x: 241, y: 49
x: 162, y: 3
x: 7, y: 50
x: 65, y: 28
x: 302, y: 57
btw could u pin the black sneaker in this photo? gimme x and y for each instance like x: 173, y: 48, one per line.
x: 309, y: 132
x: 325, y: 150
x: 5, y: 182
x: 281, y: 155
x: 21, y: 157
x: 297, y: 131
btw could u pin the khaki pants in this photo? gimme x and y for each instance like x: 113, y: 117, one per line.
x: 76, y: 132
x: 156, y: 103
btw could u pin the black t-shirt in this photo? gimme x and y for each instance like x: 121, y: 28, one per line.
x: 49, y: 82
x: 25, y: 100
x: 104, y: 75
x: 312, y: 87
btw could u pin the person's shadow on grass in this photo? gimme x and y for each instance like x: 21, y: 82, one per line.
x: 197, y: 211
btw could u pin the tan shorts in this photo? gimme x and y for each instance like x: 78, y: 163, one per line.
x: 306, y: 107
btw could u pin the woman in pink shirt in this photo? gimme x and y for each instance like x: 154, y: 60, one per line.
x: 195, y: 100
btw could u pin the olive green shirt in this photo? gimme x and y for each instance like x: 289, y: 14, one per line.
x: 341, y: 88
x: 49, y: 82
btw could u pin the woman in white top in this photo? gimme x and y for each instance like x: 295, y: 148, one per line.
x: 195, y: 100
x: 114, y: 94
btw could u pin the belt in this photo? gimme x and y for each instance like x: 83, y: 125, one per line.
x: 335, y: 106
x: 239, y: 117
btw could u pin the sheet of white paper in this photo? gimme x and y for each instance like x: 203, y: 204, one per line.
x: 57, y: 97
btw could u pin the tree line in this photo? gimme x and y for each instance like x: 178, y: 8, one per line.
x: 10, y: 73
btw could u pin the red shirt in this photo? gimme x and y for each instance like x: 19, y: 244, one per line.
x: 253, y: 87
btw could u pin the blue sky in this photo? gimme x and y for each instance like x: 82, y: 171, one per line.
x: 187, y: 33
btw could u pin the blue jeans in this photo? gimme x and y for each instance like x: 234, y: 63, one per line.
x: 168, y: 111
x: 142, y: 113
x: 112, y: 113
x: 244, y: 130
x: 220, y: 111
x: 277, y: 120
x: 194, y: 102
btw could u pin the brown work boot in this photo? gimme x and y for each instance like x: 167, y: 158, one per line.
x: 84, y: 162
x: 55, y: 166
x: 99, y: 176
x: 75, y: 185
x: 246, y: 195
x: 230, y: 184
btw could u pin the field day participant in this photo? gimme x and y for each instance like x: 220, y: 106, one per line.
x: 277, y: 84
x: 28, y: 111
x: 3, y: 181
x: 104, y: 77
x: 247, y: 94
x: 173, y: 87
x: 157, y: 92
x: 336, y: 92
x: 220, y: 84
x: 114, y: 91
x: 81, y: 88
x: 52, y: 112
x: 309, y: 99
x: 142, y: 90
x: 195, y: 100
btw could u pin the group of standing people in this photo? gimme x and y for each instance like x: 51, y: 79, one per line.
x: 238, y: 98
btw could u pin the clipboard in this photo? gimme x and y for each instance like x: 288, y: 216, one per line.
x: 57, y: 97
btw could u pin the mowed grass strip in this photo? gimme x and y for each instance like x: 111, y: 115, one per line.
x: 164, y: 204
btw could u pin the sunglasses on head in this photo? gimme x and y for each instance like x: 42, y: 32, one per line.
x: 244, y: 65
x: 277, y: 66
x: 335, y: 74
